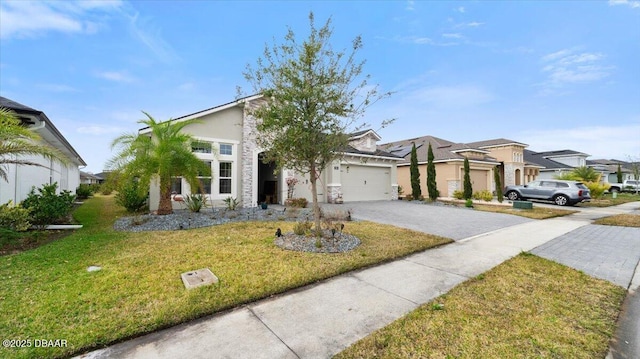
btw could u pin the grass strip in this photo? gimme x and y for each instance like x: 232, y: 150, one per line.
x: 47, y: 292
x: 625, y: 220
x: 607, y: 200
x: 528, y: 307
x: 534, y: 213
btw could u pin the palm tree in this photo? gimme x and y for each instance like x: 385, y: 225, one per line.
x: 165, y: 153
x: 18, y: 143
x: 584, y: 173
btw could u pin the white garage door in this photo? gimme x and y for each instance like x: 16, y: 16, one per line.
x: 364, y: 183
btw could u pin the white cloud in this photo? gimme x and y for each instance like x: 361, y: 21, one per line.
x: 453, y: 36
x: 23, y: 19
x: 150, y: 35
x: 410, y: 5
x: 468, y: 24
x: 98, y: 130
x: 567, y: 66
x: 632, y: 4
x: 116, y: 76
x: 608, y: 142
x: 460, y: 9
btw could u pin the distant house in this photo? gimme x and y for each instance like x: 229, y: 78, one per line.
x: 226, y: 140
x: 89, y: 178
x: 484, y: 157
x: 609, y: 169
x: 23, y: 178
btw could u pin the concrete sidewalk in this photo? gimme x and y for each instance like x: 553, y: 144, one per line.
x: 321, y: 320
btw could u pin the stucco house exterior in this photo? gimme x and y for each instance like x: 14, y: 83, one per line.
x: 23, y: 178
x: 557, y: 162
x: 226, y: 139
x: 609, y: 169
x: 449, y: 157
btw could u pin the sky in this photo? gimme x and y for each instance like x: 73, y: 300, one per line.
x: 551, y: 74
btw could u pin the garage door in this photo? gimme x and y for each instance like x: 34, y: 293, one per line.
x: 364, y: 183
x: 478, y: 180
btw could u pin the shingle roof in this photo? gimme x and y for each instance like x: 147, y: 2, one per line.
x: 560, y: 153
x: 538, y: 158
x: 378, y: 152
x: 10, y: 104
x: 495, y: 142
x: 442, y: 149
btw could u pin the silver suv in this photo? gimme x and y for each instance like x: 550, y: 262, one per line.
x: 562, y: 193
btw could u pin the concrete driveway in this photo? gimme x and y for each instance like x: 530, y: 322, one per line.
x: 442, y: 220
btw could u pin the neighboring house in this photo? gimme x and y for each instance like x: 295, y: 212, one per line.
x: 609, y: 169
x: 556, y: 162
x: 23, y: 178
x: 89, y: 178
x: 449, y: 158
x: 226, y: 139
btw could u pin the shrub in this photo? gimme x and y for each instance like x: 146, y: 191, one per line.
x: 84, y: 191
x: 195, y: 202
x: 130, y: 197
x: 14, y: 218
x: 458, y: 194
x: 468, y: 203
x: 468, y: 189
x: 416, y: 191
x: 231, y: 202
x: 497, y: 180
x: 432, y: 186
x: 483, y: 195
x: 297, y: 202
x: 47, y: 207
x: 597, y: 189
x: 302, y: 228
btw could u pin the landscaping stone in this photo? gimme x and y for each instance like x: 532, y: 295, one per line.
x: 342, y: 242
x: 93, y: 268
x: 198, y: 278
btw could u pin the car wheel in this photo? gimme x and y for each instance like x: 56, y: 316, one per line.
x: 513, y: 196
x: 561, y: 200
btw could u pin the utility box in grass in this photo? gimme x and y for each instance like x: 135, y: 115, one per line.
x: 523, y: 204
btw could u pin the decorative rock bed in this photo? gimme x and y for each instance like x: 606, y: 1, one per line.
x: 342, y: 242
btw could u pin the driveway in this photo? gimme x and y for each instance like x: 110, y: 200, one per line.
x: 447, y: 221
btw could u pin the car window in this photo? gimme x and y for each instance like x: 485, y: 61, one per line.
x: 549, y: 184
x: 562, y: 185
x: 533, y: 184
x: 581, y: 186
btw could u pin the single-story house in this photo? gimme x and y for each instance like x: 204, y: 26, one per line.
x: 89, y: 178
x: 449, y: 157
x: 609, y: 169
x: 22, y: 178
x: 226, y: 139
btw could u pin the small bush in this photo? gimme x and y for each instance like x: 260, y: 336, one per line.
x: 483, y: 195
x: 14, y: 218
x: 468, y: 203
x: 297, y: 202
x: 458, y: 194
x: 195, y: 202
x: 131, y: 198
x: 597, y: 189
x: 84, y: 191
x: 46, y: 206
x: 302, y: 228
x: 231, y: 202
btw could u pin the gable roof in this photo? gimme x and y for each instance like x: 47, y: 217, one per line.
x: 495, y: 143
x: 561, y: 153
x: 358, y: 134
x: 538, y: 158
x: 443, y: 150
x: 49, y: 133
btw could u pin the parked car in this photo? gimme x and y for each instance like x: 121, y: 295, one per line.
x: 562, y: 193
x: 626, y: 186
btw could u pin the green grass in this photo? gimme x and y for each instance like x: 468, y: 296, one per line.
x: 608, y: 200
x: 528, y: 307
x: 47, y: 292
x: 534, y: 213
x: 624, y: 220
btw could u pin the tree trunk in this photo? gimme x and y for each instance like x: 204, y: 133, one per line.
x: 165, y: 207
x: 314, y: 198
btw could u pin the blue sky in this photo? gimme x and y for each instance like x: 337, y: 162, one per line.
x: 552, y: 74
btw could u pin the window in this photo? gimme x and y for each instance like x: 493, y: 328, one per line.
x: 205, y: 181
x: 226, y: 149
x: 176, y: 185
x: 225, y: 177
x: 200, y: 147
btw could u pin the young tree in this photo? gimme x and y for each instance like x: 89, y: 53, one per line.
x: 313, y: 96
x: 18, y: 142
x: 619, y: 174
x: 468, y: 189
x: 165, y: 153
x: 416, y: 191
x: 432, y: 186
x: 496, y: 179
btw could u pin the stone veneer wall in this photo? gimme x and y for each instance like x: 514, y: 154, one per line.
x: 510, y: 173
x: 394, y: 192
x: 249, y: 149
x: 333, y: 193
x: 452, y: 186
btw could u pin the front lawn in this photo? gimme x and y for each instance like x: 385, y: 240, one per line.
x: 534, y: 213
x: 607, y: 200
x: 47, y: 292
x: 625, y: 220
x: 528, y: 307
